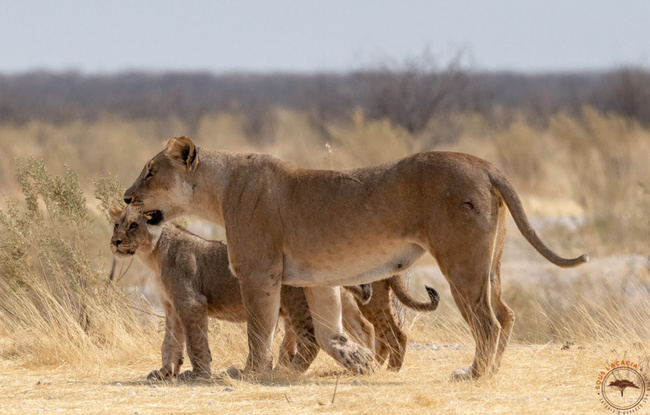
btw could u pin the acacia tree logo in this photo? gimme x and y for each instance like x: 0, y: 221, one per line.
x: 622, y: 387
x: 622, y: 384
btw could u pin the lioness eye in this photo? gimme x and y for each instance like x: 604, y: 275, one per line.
x: 133, y: 225
x: 149, y: 175
x: 116, y: 225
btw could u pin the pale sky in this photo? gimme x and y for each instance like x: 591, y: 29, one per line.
x: 332, y: 35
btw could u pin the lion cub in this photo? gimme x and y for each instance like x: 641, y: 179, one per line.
x: 195, y: 282
x: 382, y: 309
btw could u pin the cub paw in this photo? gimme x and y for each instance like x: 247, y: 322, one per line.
x: 189, y: 375
x: 162, y: 374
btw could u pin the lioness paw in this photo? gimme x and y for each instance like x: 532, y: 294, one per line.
x: 355, y: 358
x: 462, y: 375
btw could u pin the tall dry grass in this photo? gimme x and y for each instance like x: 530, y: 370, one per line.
x: 57, y: 306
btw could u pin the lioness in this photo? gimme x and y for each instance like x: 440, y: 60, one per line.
x: 320, y: 229
x: 195, y: 282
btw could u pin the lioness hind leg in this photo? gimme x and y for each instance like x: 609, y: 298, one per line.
x: 469, y: 280
x: 504, y: 314
x: 172, y: 346
x: 325, y: 306
x: 474, y: 305
x: 506, y: 318
x: 464, y: 245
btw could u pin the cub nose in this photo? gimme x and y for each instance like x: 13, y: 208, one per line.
x: 117, y: 242
x: 128, y: 200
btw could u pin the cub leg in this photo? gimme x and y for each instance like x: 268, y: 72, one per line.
x: 390, y: 340
x: 397, y: 340
x: 172, y: 346
x: 194, y: 319
x: 288, y: 348
x: 355, y: 323
x: 299, y: 320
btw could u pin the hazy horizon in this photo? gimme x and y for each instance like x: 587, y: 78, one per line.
x: 336, y: 36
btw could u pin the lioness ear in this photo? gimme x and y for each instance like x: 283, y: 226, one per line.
x: 114, y: 213
x: 182, y: 150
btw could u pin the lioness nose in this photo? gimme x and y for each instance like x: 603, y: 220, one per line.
x: 117, y: 242
x: 128, y: 200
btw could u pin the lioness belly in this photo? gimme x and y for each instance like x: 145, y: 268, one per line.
x: 343, y: 267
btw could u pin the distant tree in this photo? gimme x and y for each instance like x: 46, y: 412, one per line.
x: 628, y: 93
x: 410, y: 93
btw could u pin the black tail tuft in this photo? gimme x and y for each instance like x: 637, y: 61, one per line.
x: 433, y: 296
x: 367, y: 293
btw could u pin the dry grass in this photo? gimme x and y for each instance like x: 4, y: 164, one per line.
x: 67, y: 338
x: 534, y: 379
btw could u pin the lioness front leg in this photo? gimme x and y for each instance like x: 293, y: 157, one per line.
x: 172, y: 346
x: 261, y: 297
x: 325, y: 306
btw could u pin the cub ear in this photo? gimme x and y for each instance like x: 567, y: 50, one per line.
x: 181, y: 150
x: 114, y: 213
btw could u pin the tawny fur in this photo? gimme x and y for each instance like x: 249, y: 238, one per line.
x: 322, y: 228
x: 194, y: 282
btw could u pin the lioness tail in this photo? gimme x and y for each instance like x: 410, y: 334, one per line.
x: 519, y: 215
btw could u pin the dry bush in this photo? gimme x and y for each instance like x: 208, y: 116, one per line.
x: 57, y: 304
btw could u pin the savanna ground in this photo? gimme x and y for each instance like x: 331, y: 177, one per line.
x: 71, y: 342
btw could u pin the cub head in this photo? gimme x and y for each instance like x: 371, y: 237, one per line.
x: 130, y: 232
x: 162, y: 190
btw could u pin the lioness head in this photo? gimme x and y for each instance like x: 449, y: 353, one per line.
x: 161, y: 190
x: 130, y: 233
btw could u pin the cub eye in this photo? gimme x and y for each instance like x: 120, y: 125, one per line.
x: 116, y: 225
x: 133, y: 225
